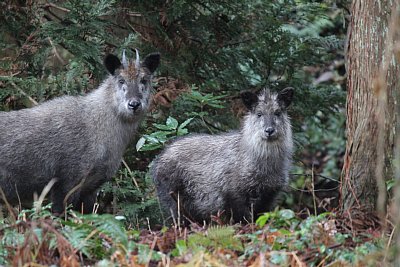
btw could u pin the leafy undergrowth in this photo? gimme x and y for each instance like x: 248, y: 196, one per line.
x: 279, y: 238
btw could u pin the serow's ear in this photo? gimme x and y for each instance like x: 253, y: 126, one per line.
x: 112, y: 63
x: 285, y: 97
x: 151, y: 61
x: 249, y: 99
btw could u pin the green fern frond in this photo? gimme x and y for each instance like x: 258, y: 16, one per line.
x: 216, y: 237
x: 328, y: 42
x: 78, y: 237
x: 198, y: 240
x: 107, y: 224
x: 220, y: 232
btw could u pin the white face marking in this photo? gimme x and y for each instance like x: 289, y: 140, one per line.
x: 267, y: 115
x: 132, y: 86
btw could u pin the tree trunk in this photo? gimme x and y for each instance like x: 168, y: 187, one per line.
x: 372, y: 84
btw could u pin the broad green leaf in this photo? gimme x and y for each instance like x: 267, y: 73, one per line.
x: 390, y: 184
x: 150, y: 147
x: 185, y: 123
x: 262, y: 220
x: 284, y: 231
x: 158, y: 136
x: 215, y: 105
x: 172, y: 122
x: 286, y: 214
x: 152, y: 139
x: 181, y: 132
x: 140, y: 143
x: 278, y: 258
x: 163, y: 127
x: 181, y: 248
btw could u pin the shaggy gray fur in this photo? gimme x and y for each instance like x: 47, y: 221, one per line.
x: 237, y: 172
x: 78, y: 140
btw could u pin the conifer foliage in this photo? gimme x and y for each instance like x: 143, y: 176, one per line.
x: 51, y: 48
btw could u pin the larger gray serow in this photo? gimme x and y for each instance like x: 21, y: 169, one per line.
x: 77, y: 140
x: 239, y: 173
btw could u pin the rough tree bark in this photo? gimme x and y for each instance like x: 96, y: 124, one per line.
x: 372, y: 84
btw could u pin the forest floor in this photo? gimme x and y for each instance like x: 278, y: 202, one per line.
x: 279, y: 238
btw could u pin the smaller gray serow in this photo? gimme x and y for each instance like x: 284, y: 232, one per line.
x: 238, y: 173
x: 77, y: 140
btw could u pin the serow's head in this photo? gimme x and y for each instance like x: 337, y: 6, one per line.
x: 131, y: 81
x: 268, y: 117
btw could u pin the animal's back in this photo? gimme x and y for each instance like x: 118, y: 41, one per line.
x: 196, y: 151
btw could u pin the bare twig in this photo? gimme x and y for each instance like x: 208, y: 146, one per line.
x: 19, y: 198
x: 131, y: 174
x: 388, y: 243
x: 44, y: 193
x: 73, y: 190
x: 153, y: 245
x: 22, y: 92
x: 319, y: 175
x: 313, y: 191
x: 180, y: 208
x: 83, y: 242
x: 297, y: 260
x: 56, y: 52
x: 10, y: 210
x: 56, y: 7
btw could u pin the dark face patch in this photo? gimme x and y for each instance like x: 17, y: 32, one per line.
x: 249, y: 99
x: 285, y: 97
x: 112, y: 63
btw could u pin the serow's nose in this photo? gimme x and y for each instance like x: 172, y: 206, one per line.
x: 270, y: 131
x: 134, y: 104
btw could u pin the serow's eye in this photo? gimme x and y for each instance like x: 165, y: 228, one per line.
x: 121, y: 81
x: 277, y: 113
x: 143, y: 81
x: 259, y: 114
